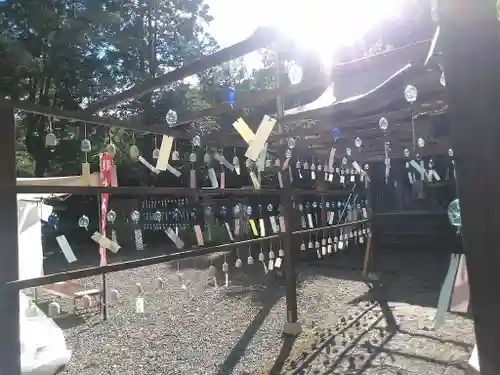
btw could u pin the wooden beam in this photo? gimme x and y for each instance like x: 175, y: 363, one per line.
x: 257, y: 98
x: 85, y: 117
x: 410, y: 53
x: 261, y: 38
x: 10, y: 355
x: 352, y: 68
x: 471, y: 56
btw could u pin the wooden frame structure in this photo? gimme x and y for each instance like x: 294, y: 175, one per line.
x: 354, y: 116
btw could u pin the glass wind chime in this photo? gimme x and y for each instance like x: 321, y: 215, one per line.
x: 50, y: 137
x: 344, y: 173
x: 418, y: 172
x: 171, y: 118
x: 135, y: 216
x: 85, y: 147
x: 340, y: 212
x: 195, y: 143
x: 110, y: 147
x: 383, y: 124
x: 248, y: 220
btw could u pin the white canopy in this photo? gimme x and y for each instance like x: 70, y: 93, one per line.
x: 30, y: 210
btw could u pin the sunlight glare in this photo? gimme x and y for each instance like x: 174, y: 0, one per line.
x: 324, y: 26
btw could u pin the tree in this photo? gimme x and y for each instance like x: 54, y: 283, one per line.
x: 62, y: 53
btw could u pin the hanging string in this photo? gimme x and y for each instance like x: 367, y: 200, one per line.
x: 413, y: 136
x: 85, y: 137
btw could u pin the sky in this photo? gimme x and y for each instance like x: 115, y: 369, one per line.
x: 322, y: 26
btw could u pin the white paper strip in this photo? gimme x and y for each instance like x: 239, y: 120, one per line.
x: 175, y: 238
x: 282, y: 224
x: 331, y: 217
x: 229, y: 232
x: 261, y: 161
x: 274, y: 224
x: 331, y: 159
x: 265, y: 129
x: 286, y: 163
x: 419, y: 168
x: 244, y: 130
x: 213, y: 178
x: 280, y: 179
x: 66, y: 248
x: 262, y: 226
x: 139, y: 242
x: 410, y: 178
x: 174, y: 171
x: 432, y: 174
x: 270, y: 266
x: 221, y: 159
x: 360, y: 170
x: 105, y: 242
x: 278, y: 262
x: 310, y: 221
x: 164, y: 157
x: 148, y: 165
x: 255, y: 180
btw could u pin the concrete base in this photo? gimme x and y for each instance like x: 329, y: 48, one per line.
x: 292, y: 329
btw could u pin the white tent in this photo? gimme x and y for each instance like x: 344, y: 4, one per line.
x: 43, y: 347
x: 31, y: 210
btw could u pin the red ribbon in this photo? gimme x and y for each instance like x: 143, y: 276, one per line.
x: 107, y: 177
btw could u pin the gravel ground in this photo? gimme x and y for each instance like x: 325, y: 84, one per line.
x: 237, y: 329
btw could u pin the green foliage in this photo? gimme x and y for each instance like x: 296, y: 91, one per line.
x: 67, y: 53
x: 62, y: 53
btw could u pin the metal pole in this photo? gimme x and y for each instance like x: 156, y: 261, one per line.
x: 10, y: 353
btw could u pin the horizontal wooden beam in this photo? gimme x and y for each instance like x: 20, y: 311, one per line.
x: 261, y: 38
x: 414, y: 52
x: 257, y: 98
x: 363, y: 127
x: 85, y: 117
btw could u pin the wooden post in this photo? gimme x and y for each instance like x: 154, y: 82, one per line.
x: 366, y: 261
x: 470, y: 40
x: 10, y: 353
x: 292, y: 327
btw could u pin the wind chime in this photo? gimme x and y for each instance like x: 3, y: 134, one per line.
x: 50, y: 137
x: 383, y: 124
x: 85, y: 147
x: 195, y: 143
x: 417, y: 163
